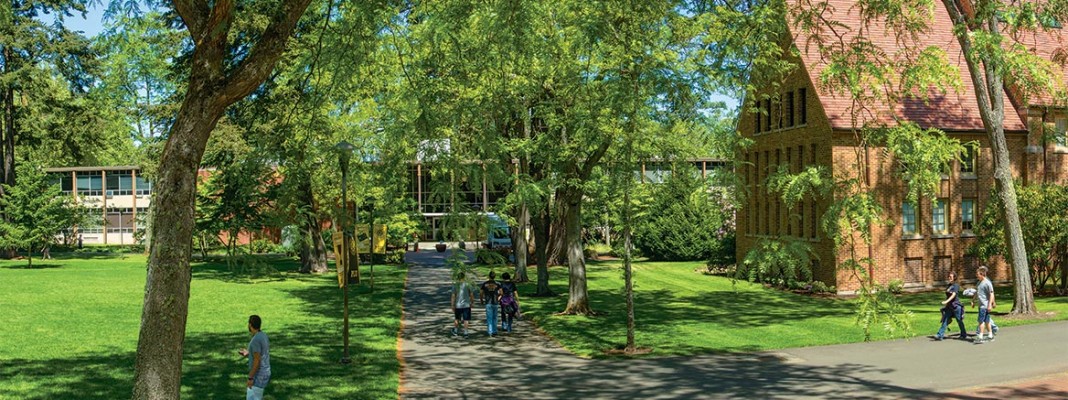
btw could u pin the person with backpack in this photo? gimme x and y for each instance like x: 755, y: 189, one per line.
x: 490, y: 296
x: 509, y: 302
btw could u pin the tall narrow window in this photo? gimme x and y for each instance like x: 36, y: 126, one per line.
x: 1061, y: 135
x: 967, y: 160
x: 967, y: 214
x: 756, y: 121
x: 767, y: 108
x: 802, y: 111
x: 908, y: 219
x: 789, y: 109
x: 938, y: 217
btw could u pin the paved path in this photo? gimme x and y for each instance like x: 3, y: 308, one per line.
x: 1022, y: 362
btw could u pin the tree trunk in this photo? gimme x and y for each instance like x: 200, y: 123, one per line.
x: 541, y: 247
x: 1023, y: 301
x: 628, y: 272
x: 7, y: 147
x: 557, y: 244
x: 166, y: 304
x: 520, y: 245
x: 313, y: 250
x: 577, y: 301
x: 986, y: 76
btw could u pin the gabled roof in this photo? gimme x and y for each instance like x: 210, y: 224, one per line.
x: 949, y: 111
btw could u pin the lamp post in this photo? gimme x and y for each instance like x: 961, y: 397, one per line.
x: 345, y: 150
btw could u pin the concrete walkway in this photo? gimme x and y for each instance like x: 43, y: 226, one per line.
x: 527, y: 365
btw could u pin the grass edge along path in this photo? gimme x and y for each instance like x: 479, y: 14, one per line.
x: 71, y: 328
x: 680, y: 311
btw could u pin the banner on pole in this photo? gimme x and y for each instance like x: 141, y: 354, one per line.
x: 363, y: 237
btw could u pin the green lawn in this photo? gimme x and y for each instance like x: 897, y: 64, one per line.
x: 680, y: 311
x: 70, y: 330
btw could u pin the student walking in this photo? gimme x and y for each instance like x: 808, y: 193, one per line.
x: 462, y: 298
x: 259, y: 360
x: 984, y: 293
x: 952, y: 309
x: 490, y: 296
x: 509, y: 302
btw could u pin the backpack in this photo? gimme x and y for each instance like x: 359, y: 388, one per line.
x: 508, y: 302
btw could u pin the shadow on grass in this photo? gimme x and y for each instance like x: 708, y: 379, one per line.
x: 34, y: 266
x: 304, y: 357
x: 304, y: 363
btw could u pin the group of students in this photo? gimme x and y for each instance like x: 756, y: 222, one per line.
x: 498, y: 297
x: 983, y: 294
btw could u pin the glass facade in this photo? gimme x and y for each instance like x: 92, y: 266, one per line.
x: 938, y: 217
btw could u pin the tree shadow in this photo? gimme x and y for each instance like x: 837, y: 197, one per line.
x: 34, y: 266
x: 304, y: 357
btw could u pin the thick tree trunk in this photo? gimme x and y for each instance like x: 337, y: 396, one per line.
x: 7, y: 147
x: 986, y: 76
x: 557, y: 244
x: 313, y: 250
x: 541, y: 247
x: 577, y: 301
x: 166, y: 304
x: 520, y: 245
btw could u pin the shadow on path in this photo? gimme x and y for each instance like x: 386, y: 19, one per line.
x: 528, y: 365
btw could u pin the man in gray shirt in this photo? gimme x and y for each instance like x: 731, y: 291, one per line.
x: 984, y: 292
x: 259, y: 360
x: 462, y: 298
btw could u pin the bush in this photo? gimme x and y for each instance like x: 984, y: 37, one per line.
x: 260, y: 246
x: 896, y: 286
x: 782, y: 262
x: 686, y: 221
x: 106, y: 248
x: 820, y: 287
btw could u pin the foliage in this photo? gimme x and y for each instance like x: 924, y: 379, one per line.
x: 688, y: 220
x: 782, y: 262
x: 895, y: 286
x: 924, y: 156
x: 35, y: 211
x: 401, y: 227
x: 1045, y: 232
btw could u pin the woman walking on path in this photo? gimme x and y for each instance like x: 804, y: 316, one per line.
x: 509, y: 302
x: 952, y: 309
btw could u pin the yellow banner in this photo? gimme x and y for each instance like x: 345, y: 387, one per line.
x: 342, y: 257
x: 364, y: 238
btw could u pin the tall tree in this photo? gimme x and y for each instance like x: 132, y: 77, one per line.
x: 223, y: 70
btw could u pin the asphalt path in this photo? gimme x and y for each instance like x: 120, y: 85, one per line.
x: 528, y: 365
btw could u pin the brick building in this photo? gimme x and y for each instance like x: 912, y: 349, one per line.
x: 808, y: 125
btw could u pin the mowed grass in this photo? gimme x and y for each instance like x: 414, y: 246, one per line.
x: 680, y: 312
x: 70, y: 329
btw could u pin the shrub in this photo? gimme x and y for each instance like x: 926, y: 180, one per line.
x: 686, y: 221
x: 781, y: 262
x: 820, y: 287
x: 260, y: 246
x: 895, y: 286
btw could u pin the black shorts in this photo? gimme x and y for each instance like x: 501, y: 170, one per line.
x: 462, y: 314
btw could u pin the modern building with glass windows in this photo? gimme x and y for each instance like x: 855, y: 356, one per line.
x: 120, y: 196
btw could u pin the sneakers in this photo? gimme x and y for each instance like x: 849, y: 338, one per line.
x: 938, y: 338
x: 995, y: 330
x: 455, y: 332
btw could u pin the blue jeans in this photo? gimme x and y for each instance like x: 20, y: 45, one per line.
x: 947, y: 315
x: 491, y: 318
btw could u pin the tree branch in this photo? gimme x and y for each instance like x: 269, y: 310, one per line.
x: 193, y: 13
x: 255, y: 69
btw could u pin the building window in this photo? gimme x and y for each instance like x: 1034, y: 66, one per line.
x: 120, y: 183
x: 789, y: 109
x: 968, y: 159
x: 90, y: 183
x: 938, y: 217
x: 802, y: 110
x: 767, y: 109
x: 1061, y: 135
x: 144, y: 187
x: 756, y: 121
x: 908, y: 219
x: 967, y: 214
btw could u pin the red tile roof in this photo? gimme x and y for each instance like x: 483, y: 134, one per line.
x: 950, y: 110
